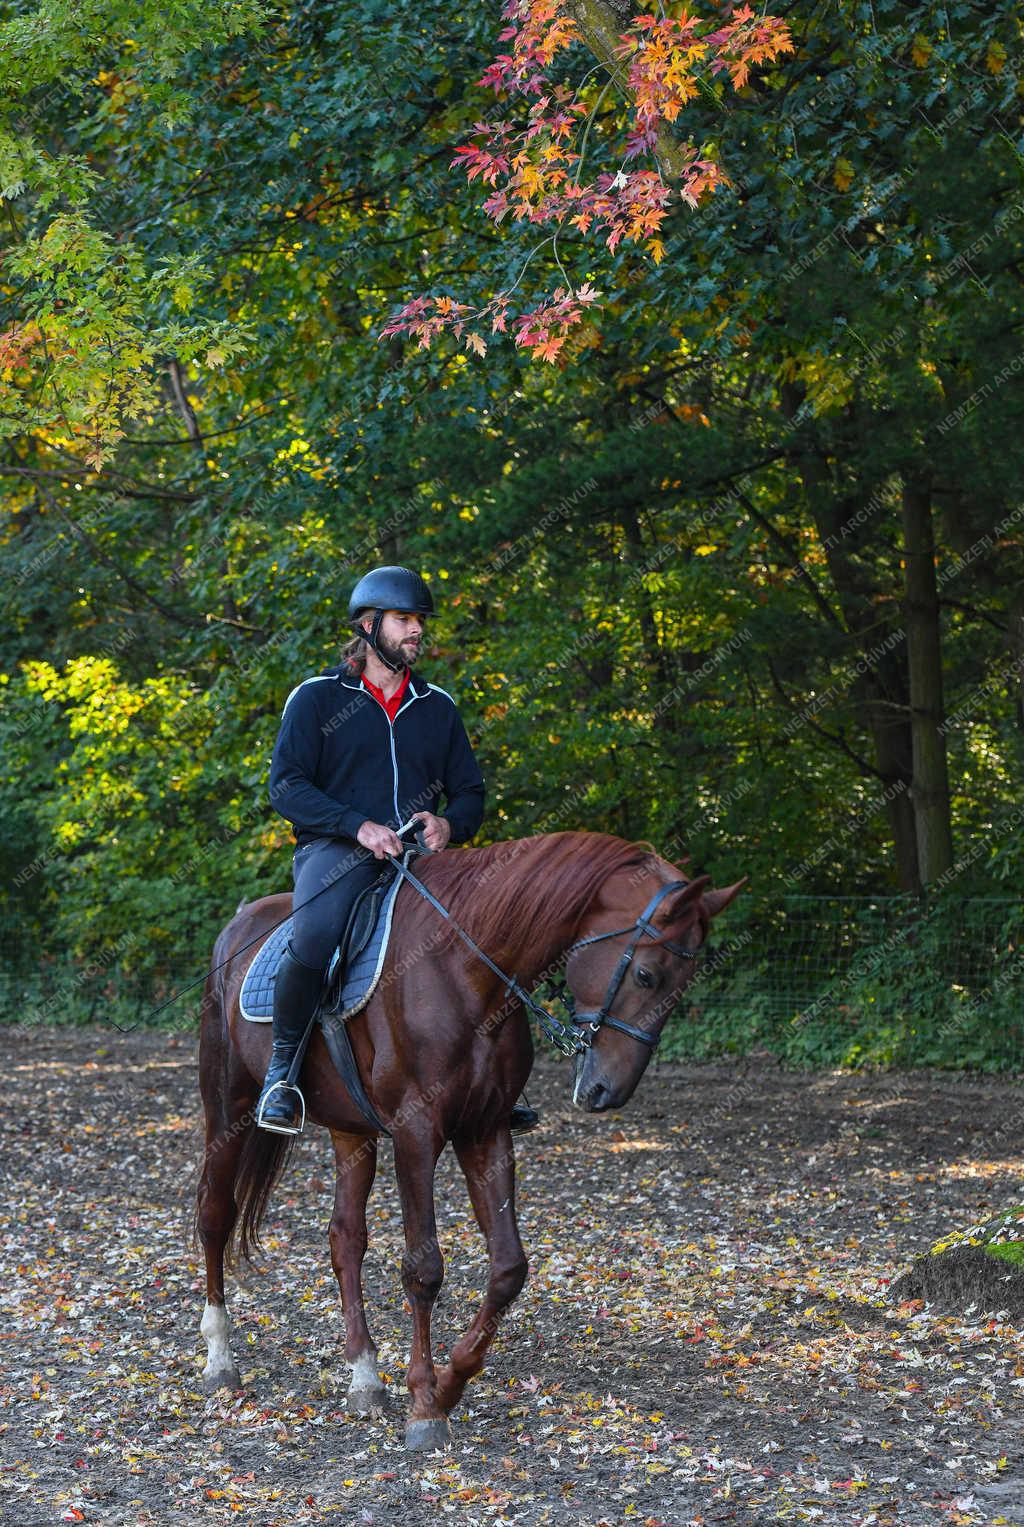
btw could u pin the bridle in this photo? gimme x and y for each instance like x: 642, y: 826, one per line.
x: 588, y: 1024
x: 577, y: 1035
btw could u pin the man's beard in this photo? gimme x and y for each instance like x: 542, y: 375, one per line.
x: 405, y: 654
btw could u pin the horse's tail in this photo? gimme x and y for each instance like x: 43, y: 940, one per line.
x: 263, y: 1156
x: 263, y: 1159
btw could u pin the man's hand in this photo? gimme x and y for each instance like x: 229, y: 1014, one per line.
x: 381, y: 841
x: 436, y: 830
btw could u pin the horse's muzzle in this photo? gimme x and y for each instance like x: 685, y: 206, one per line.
x: 592, y: 1091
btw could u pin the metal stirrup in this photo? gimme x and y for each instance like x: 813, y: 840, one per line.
x: 281, y: 1129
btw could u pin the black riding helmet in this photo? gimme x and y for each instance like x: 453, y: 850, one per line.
x: 388, y: 588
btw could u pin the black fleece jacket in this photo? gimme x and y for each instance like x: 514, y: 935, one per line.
x: 339, y: 761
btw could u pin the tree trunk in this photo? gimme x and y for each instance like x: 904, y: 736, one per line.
x: 894, y: 763
x: 881, y: 692
x: 930, y: 788
x: 1017, y: 651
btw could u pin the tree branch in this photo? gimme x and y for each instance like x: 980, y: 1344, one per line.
x: 191, y: 621
x: 602, y: 23
x: 834, y: 738
x: 795, y: 561
x: 181, y: 402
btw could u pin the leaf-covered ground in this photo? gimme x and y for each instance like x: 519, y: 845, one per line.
x: 705, y: 1336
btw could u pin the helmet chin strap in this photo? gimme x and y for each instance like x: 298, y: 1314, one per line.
x: 373, y: 636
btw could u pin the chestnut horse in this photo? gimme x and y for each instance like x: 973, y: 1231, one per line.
x: 443, y: 1050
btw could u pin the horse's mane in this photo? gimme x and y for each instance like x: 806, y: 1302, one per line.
x: 502, y: 892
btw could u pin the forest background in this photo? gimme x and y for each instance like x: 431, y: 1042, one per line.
x: 732, y: 560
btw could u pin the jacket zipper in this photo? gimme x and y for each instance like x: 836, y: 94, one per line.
x: 394, y: 766
x: 391, y: 730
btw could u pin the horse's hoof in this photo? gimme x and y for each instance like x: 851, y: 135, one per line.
x: 367, y: 1402
x: 222, y: 1378
x: 424, y: 1436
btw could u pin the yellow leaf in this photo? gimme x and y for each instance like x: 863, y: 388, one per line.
x: 995, y: 58
x: 657, y: 250
x: 921, y: 52
x: 843, y: 174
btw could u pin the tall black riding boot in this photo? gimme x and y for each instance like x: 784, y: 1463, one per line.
x: 297, y: 990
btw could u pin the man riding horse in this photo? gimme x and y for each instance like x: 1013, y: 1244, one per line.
x: 363, y: 749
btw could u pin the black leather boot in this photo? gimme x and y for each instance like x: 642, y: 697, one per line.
x: 297, y: 991
x: 523, y: 1119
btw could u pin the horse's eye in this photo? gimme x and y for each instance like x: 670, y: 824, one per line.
x: 644, y: 977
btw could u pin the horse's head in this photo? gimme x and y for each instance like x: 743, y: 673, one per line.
x: 638, y: 950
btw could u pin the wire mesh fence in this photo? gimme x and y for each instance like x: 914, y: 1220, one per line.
x: 855, y: 979
x: 819, y: 980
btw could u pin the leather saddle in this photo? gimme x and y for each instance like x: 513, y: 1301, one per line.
x: 355, y: 965
x: 357, y: 936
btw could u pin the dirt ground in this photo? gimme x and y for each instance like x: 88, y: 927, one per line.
x: 705, y: 1336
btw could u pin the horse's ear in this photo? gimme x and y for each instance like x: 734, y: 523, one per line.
x: 673, y: 905
x: 717, y: 901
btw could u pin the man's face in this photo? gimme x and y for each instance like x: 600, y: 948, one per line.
x: 400, y: 635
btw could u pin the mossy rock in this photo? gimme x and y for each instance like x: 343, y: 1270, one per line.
x: 1010, y: 1251
x: 991, y: 1277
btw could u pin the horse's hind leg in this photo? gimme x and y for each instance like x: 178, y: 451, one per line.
x: 356, y: 1167
x: 215, y: 1221
x: 490, y: 1176
x: 228, y: 1120
x: 416, y: 1156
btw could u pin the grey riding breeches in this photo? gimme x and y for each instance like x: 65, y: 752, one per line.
x: 347, y: 868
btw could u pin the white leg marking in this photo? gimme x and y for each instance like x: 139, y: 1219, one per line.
x: 577, y: 1101
x: 364, y: 1373
x: 216, y: 1328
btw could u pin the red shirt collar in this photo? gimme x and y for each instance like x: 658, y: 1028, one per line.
x: 390, y: 705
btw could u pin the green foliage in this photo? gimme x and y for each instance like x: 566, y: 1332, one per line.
x: 99, y: 354
x: 82, y: 332
x: 669, y: 568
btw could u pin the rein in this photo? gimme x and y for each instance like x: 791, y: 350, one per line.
x: 578, y: 1034
x: 560, y: 1035
x: 571, y: 1037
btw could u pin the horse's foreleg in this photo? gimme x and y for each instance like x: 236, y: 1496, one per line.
x: 356, y: 1166
x: 422, y: 1276
x: 490, y: 1175
x: 215, y: 1220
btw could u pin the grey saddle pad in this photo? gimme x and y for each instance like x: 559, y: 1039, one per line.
x: 347, y: 993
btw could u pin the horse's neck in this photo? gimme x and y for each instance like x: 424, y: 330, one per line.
x: 541, y: 951
x: 540, y: 947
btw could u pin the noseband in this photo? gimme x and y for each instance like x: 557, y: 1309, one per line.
x: 588, y: 1024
